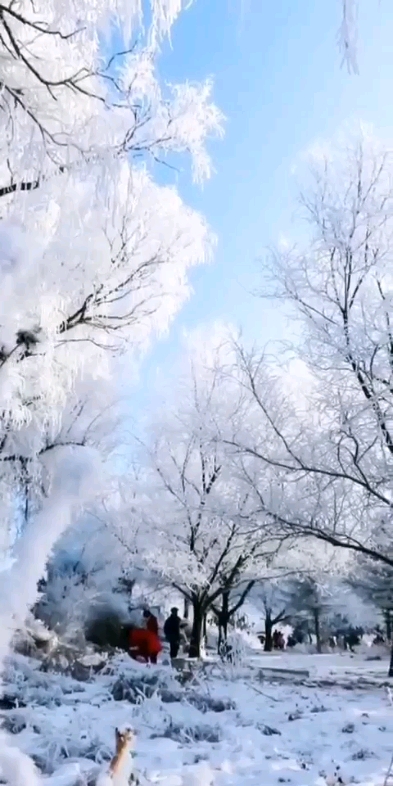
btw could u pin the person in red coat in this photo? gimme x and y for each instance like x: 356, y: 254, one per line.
x: 152, y: 627
x: 151, y: 621
x: 144, y: 645
x: 137, y: 643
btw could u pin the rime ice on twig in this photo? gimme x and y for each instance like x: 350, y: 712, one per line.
x: 347, y: 35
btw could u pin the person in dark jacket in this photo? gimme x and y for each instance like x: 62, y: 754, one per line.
x: 172, y: 632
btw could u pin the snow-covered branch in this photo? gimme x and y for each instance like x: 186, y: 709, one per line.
x: 329, y: 445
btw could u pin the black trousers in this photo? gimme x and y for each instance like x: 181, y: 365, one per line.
x: 174, y: 645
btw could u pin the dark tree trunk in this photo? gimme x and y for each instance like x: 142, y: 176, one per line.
x: 223, y: 622
x: 186, y: 609
x: 220, y: 637
x: 268, y: 632
x: 390, y: 673
x: 223, y: 617
x: 317, y: 630
x: 388, y: 624
x: 196, y: 632
x: 204, y: 626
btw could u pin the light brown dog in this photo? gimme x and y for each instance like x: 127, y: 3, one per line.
x: 120, y: 768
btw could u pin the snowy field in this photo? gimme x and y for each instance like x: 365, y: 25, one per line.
x: 336, y: 665
x: 226, y: 728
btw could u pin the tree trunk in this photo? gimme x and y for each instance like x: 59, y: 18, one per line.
x: 196, y: 632
x: 223, y: 617
x: 391, y: 662
x: 317, y: 630
x: 268, y: 632
x: 186, y: 609
x: 205, y: 626
x: 388, y: 624
x: 223, y: 621
x: 220, y: 637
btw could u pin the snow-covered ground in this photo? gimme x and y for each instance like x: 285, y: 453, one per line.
x: 227, y: 729
x: 327, y: 665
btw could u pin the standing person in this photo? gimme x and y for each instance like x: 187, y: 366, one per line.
x: 151, y: 621
x: 137, y: 645
x: 155, y: 645
x: 144, y: 645
x: 172, y: 632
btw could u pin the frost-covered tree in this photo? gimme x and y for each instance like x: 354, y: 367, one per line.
x: 100, y: 301
x: 347, y: 38
x: 205, y: 534
x: 86, y: 571
x: 372, y: 580
x: 94, y: 255
x: 69, y: 99
x: 227, y: 606
x: 271, y: 599
x: 310, y: 601
x: 335, y: 439
x: 84, y: 227
x: 330, y: 442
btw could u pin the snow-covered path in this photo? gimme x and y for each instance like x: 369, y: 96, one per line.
x: 325, y: 665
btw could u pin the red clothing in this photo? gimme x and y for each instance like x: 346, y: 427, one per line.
x: 154, y: 644
x: 152, y: 624
x: 144, y: 644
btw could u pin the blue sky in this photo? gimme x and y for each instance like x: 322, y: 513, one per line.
x: 279, y: 81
